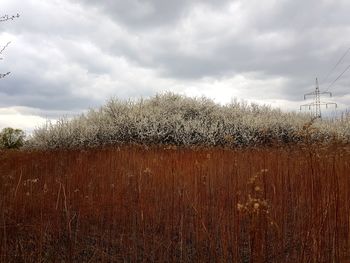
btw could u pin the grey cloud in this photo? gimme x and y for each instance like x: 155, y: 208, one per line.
x: 148, y: 13
x: 293, y: 40
x: 38, y: 93
x: 304, y: 15
x: 238, y: 53
x: 241, y: 54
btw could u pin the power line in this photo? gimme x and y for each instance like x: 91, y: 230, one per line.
x: 335, y: 66
x: 347, y: 68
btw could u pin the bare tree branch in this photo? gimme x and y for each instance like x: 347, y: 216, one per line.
x: 7, y: 17
x: 4, y: 75
x: 3, y: 49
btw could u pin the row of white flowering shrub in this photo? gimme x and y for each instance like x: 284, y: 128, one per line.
x: 178, y: 120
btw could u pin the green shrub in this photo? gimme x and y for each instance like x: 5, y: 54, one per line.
x: 11, y: 138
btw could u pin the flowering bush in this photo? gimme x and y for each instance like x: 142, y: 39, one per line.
x: 178, y: 120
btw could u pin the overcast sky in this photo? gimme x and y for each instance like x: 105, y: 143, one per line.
x: 68, y: 56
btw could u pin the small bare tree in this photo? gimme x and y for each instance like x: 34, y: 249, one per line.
x: 4, y: 19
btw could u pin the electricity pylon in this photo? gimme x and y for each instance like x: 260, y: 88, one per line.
x: 316, y: 105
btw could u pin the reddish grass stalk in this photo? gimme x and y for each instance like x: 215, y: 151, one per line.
x: 177, y: 205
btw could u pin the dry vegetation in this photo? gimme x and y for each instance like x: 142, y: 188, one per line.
x: 157, y: 204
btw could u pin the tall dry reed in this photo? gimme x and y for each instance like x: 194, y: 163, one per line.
x: 136, y: 204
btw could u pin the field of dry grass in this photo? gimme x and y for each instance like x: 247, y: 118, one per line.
x: 156, y: 204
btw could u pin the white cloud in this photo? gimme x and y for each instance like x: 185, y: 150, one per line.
x: 13, y: 117
x: 244, y: 87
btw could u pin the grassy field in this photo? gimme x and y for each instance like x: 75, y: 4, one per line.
x: 168, y: 204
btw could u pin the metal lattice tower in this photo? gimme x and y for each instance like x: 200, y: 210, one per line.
x: 316, y: 105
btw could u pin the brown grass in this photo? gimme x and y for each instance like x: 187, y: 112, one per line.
x: 133, y: 204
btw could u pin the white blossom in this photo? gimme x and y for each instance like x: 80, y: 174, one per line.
x: 179, y: 120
